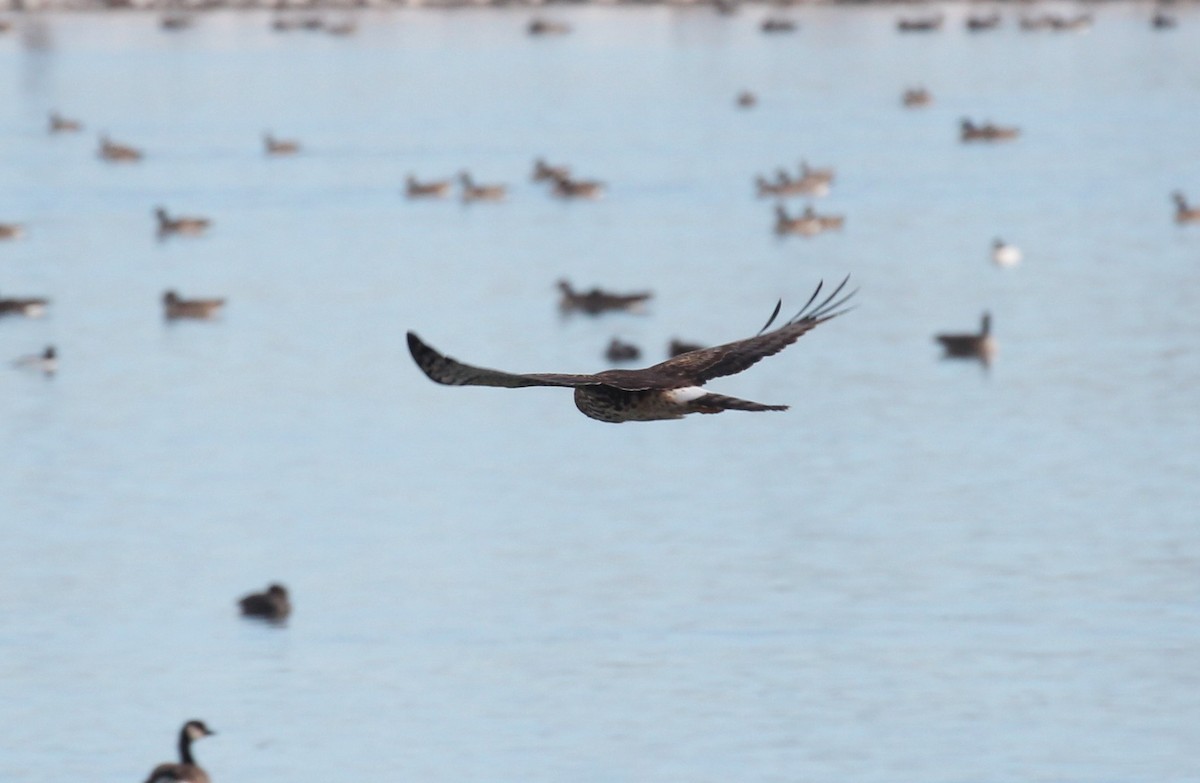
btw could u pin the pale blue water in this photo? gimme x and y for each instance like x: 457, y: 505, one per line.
x: 922, y: 572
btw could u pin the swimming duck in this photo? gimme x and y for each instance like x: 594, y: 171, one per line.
x: 60, y: 124
x: 414, y: 188
x: 180, y: 225
x: 596, y: 301
x: 543, y: 171
x: 276, y: 146
x: 917, y: 98
x: 274, y: 604
x: 546, y: 27
x: 619, y: 351
x: 11, y: 231
x: 187, y: 769
x: 175, y: 307
x: 747, y: 99
x: 118, y: 153
x: 677, y: 347
x: 1183, y: 212
x: 980, y: 346
x: 475, y: 192
x: 969, y: 131
x: 565, y: 187
x: 776, y: 25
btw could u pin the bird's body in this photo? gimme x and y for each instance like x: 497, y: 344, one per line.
x: 969, y: 131
x: 668, y: 390
x: 1184, y: 213
x: 917, y: 98
x: 45, y: 362
x: 981, y: 345
x: 11, y: 231
x: 180, y: 224
x: 1004, y: 254
x: 596, y: 301
x: 414, y: 188
x: 543, y: 171
x: 274, y: 146
x: 28, y: 306
x: 118, y: 153
x: 176, y: 307
x: 566, y: 187
x: 473, y: 191
x: 61, y: 124
x: 187, y: 769
x: 274, y: 604
x: 620, y: 351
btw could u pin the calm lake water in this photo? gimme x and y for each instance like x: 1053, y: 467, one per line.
x: 923, y: 572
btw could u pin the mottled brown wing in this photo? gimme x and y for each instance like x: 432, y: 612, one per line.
x: 698, y: 367
x: 444, y: 369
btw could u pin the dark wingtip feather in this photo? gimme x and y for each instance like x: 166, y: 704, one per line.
x: 774, y: 315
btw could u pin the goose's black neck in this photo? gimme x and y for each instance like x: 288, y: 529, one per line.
x: 185, y: 747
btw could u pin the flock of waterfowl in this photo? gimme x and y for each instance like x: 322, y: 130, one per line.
x: 668, y: 390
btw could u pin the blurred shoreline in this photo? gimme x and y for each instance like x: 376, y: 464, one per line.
x: 726, y: 6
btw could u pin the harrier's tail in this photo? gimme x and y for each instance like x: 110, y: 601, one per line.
x: 715, y: 403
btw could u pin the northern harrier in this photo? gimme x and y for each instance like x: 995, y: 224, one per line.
x: 669, y: 390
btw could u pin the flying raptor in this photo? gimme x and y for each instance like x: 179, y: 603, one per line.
x: 669, y: 390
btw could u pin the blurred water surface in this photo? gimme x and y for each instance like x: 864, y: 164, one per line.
x: 922, y: 572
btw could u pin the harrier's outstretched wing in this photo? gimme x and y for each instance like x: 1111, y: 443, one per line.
x: 444, y: 369
x: 698, y: 367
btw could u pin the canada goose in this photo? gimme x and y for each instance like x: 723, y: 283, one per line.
x: 46, y: 361
x: 825, y: 175
x: 543, y: 171
x: 414, y: 188
x: 776, y: 25
x: 475, y: 192
x: 977, y: 24
x: 546, y: 27
x: 187, y: 769
x: 565, y: 187
x: 677, y: 346
x: 1183, y: 212
x: 118, y: 153
x: 970, y: 346
x: 786, y: 186
x: 969, y: 131
x: 619, y: 351
x: 180, y: 225
x: 596, y: 301
x: 271, y: 605
x: 276, y: 146
x: 11, y: 231
x: 30, y: 307
x: 1004, y: 254
x: 747, y: 99
x: 60, y: 124
x: 175, y: 307
x: 920, y: 25
x: 917, y: 98
x: 806, y: 224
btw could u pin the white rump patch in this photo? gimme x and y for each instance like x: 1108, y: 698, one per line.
x: 686, y: 394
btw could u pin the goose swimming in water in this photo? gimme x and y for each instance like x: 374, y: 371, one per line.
x: 980, y: 345
x: 274, y: 604
x: 187, y: 769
